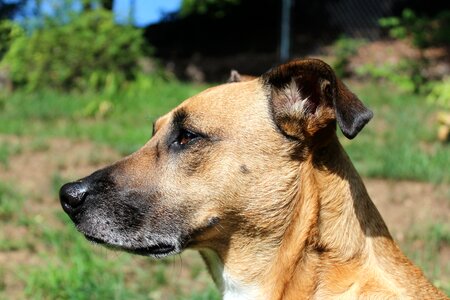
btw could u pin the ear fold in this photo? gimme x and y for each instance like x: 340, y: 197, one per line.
x: 307, y: 97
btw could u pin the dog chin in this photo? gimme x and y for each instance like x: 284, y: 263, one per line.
x: 156, y: 249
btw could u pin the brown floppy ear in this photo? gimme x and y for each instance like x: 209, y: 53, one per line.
x: 351, y: 114
x: 306, y: 97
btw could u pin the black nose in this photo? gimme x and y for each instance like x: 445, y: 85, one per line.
x: 72, y: 196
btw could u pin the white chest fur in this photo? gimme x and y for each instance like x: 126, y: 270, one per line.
x: 231, y: 287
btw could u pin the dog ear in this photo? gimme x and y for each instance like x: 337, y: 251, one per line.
x: 306, y: 97
x: 234, y: 76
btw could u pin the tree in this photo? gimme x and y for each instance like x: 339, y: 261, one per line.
x: 8, y: 9
x: 107, y: 4
x: 201, y: 7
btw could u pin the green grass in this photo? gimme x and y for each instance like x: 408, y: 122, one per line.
x: 8, y: 149
x: 422, y: 244
x: 126, y: 125
x: 400, y: 142
x: 72, y: 268
x: 10, y: 202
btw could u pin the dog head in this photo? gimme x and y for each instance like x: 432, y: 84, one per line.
x: 222, y: 165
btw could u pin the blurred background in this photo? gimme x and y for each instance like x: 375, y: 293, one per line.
x: 82, y: 81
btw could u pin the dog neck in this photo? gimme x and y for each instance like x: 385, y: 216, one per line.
x: 322, y: 218
x: 334, y: 234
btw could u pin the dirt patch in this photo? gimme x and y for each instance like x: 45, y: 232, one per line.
x: 36, y: 169
x: 391, y: 52
x: 405, y: 204
x: 40, y: 163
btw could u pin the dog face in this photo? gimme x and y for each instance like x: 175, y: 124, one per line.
x: 220, y: 167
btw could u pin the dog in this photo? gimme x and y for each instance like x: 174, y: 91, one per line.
x: 251, y: 173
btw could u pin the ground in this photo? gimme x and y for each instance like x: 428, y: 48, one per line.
x: 38, y: 167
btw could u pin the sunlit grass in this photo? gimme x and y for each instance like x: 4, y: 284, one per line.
x: 423, y: 244
x: 10, y: 202
x: 400, y: 141
x: 123, y: 120
x: 72, y: 268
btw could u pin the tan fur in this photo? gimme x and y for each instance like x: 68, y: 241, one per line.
x: 295, y: 220
x: 329, y: 242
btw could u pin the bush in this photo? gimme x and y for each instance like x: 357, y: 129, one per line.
x: 88, y: 52
x: 406, y: 74
x: 423, y: 31
x: 9, y: 31
x: 344, y: 48
x: 440, y: 94
x: 214, y: 8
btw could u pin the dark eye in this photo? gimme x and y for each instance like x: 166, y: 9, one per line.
x: 185, y: 137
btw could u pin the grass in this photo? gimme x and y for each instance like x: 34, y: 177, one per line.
x: 399, y: 143
x: 71, y: 268
x: 7, y: 149
x: 421, y: 245
x: 10, y: 202
x: 126, y: 125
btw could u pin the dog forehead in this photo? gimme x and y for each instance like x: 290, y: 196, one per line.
x: 229, y: 100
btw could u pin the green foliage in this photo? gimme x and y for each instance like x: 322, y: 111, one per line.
x: 9, y: 31
x: 8, y: 8
x: 406, y: 74
x: 215, y: 8
x: 88, y: 52
x: 440, y: 93
x: 423, y: 31
x: 344, y: 48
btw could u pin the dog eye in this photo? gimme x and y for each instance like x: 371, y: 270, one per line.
x: 186, y: 137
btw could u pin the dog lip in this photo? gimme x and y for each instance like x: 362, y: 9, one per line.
x: 94, y: 239
x: 157, y: 250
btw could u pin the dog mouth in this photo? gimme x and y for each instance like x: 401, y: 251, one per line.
x: 157, y: 250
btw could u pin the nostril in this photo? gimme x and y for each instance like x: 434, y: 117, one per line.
x: 72, y: 195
